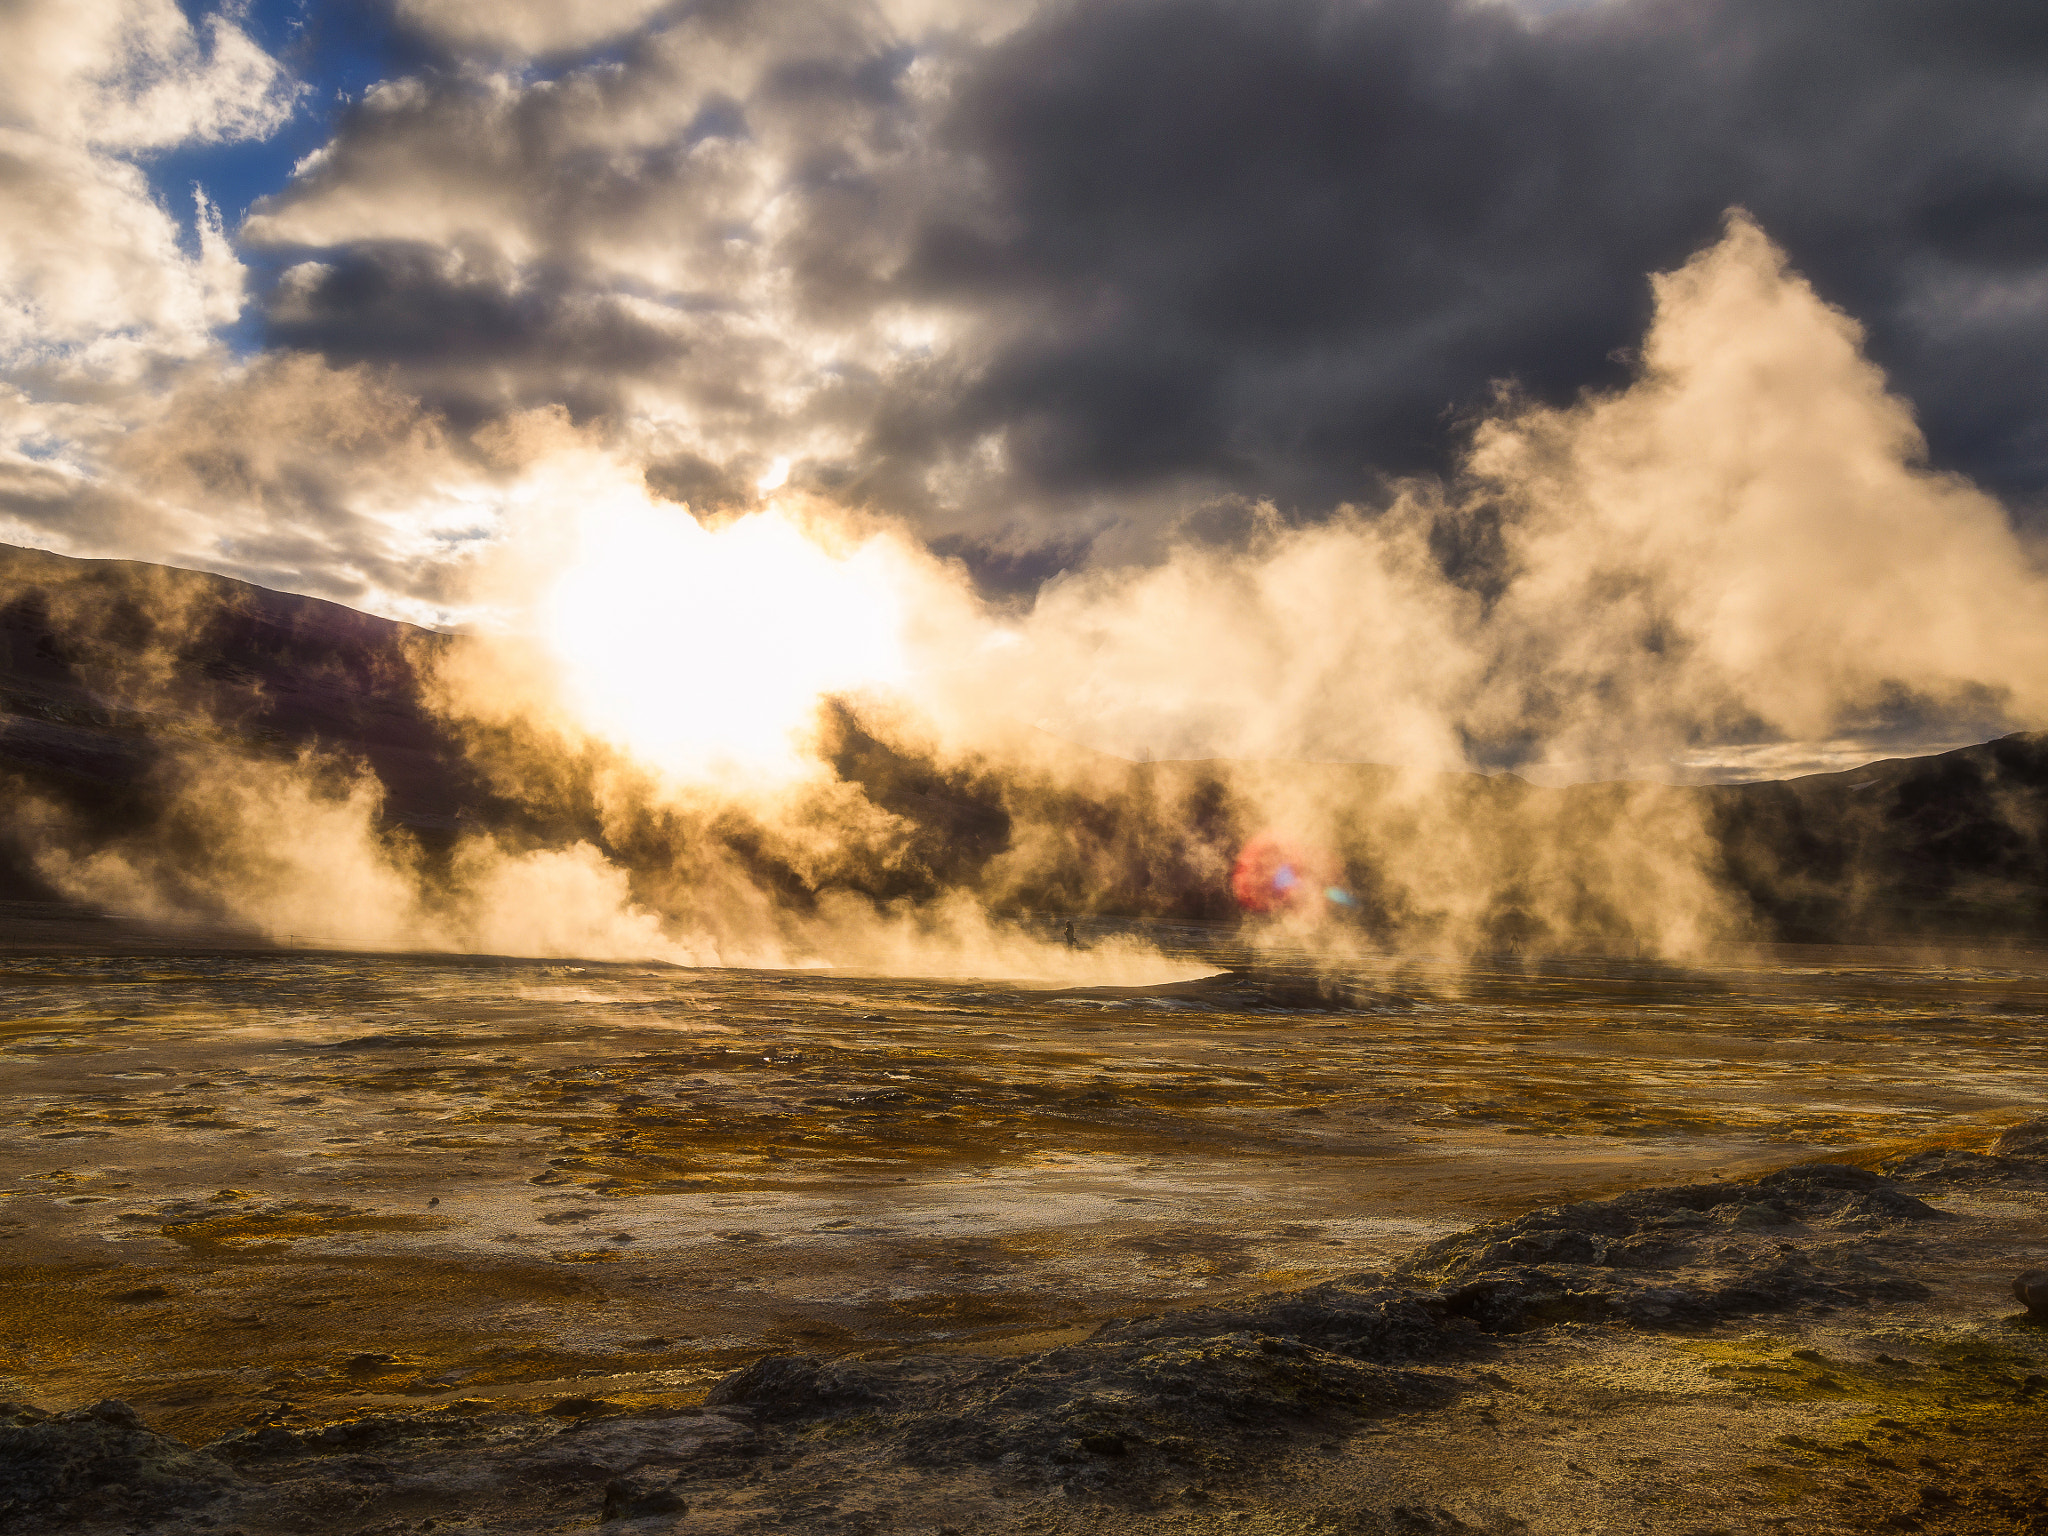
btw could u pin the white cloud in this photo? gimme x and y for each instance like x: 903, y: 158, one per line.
x: 93, y: 280
x: 96, y: 283
x: 107, y: 297
x: 524, y: 28
x: 1740, y: 557
x: 135, y: 74
x: 697, y: 235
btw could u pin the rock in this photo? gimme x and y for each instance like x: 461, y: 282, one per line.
x: 1552, y: 1245
x: 638, y: 1495
x: 1146, y: 1403
x: 111, y: 1410
x: 1754, y: 1214
x: 2031, y: 1291
x: 578, y: 1407
x: 794, y: 1386
x: 1892, y: 1205
x: 61, y: 1471
x: 1361, y: 1317
x: 1518, y: 1300
x: 1125, y: 1412
x: 269, y: 1440
x: 1813, y: 1176
x: 1944, y: 1166
x: 381, y: 1432
x: 2027, y: 1139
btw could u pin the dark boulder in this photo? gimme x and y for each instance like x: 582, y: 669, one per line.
x: 2027, y: 1139
x: 2031, y: 1291
x: 796, y: 1387
x: 1518, y: 1300
x: 638, y: 1495
x: 1361, y: 1317
x: 58, y: 1471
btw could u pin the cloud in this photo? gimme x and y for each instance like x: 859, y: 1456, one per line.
x: 1750, y: 530
x: 676, y: 243
x: 284, y: 471
x: 107, y: 300
x: 1277, y: 248
x: 1739, y: 550
x: 326, y: 480
x: 525, y: 28
x: 96, y: 282
x: 135, y: 74
x: 1043, y: 278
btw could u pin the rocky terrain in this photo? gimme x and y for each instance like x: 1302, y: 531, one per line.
x: 1824, y: 1348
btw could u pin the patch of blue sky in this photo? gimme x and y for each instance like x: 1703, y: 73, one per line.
x: 337, y: 50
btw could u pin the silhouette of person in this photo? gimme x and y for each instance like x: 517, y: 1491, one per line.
x: 1070, y: 936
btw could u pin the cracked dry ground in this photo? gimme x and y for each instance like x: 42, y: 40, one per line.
x: 422, y: 1245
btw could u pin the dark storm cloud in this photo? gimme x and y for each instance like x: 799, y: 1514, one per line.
x: 1180, y: 249
x: 1281, y: 244
x: 473, y: 342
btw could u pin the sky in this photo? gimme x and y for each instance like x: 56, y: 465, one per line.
x: 300, y: 290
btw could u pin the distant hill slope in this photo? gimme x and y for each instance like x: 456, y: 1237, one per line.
x: 108, y: 666
x: 1954, y: 845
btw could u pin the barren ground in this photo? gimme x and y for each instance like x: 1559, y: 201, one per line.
x: 457, y: 1244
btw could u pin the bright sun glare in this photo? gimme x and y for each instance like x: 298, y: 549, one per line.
x: 705, y: 651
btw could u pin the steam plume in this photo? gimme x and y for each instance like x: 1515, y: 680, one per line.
x: 790, y: 735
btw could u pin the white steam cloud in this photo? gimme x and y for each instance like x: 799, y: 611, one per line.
x: 1743, y: 546
x: 1740, y: 551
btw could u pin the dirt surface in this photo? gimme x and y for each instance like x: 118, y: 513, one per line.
x: 409, y: 1244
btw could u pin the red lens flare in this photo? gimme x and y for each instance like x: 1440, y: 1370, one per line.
x: 1273, y: 874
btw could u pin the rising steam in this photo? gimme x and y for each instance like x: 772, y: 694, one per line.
x: 1742, y: 547
x: 791, y: 736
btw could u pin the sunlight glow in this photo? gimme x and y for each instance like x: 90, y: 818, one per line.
x: 705, y: 651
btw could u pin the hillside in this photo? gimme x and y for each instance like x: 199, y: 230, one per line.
x: 108, y: 669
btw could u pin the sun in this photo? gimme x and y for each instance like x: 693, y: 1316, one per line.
x: 704, y: 651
